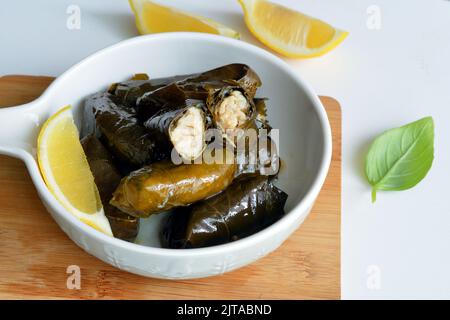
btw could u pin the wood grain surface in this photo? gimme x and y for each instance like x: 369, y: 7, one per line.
x: 35, y: 253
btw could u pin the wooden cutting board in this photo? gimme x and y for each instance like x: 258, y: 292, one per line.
x: 35, y: 253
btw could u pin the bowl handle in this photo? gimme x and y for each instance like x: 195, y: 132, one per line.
x: 19, y: 127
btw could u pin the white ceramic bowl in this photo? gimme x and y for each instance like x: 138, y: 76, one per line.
x: 305, y: 145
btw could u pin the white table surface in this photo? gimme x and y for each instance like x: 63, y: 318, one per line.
x: 398, y: 247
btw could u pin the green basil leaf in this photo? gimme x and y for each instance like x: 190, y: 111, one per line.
x: 400, y: 158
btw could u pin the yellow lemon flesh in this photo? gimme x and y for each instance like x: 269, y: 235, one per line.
x: 288, y: 32
x: 66, y: 171
x: 152, y: 17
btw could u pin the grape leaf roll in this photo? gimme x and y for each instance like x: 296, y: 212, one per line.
x: 164, y: 185
x: 244, y: 208
x: 118, y: 127
x: 183, y: 128
x: 107, y: 177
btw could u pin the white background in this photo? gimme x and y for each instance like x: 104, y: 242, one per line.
x: 383, y: 79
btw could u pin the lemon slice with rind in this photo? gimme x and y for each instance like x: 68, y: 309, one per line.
x: 66, y: 171
x: 289, y: 32
x: 152, y: 17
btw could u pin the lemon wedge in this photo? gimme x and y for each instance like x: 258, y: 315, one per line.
x: 152, y: 17
x: 288, y: 32
x: 66, y: 171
